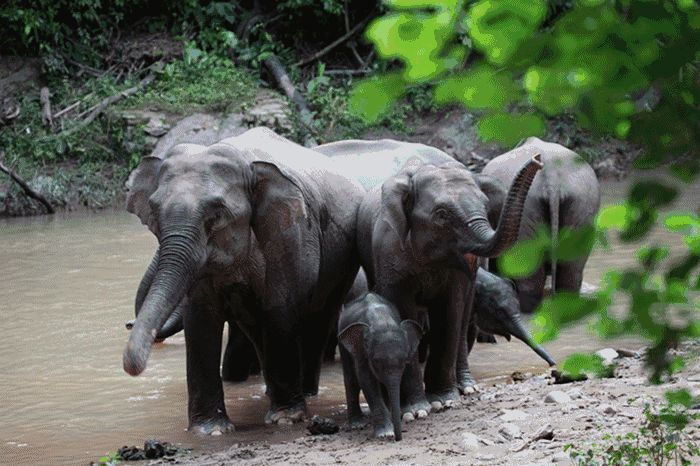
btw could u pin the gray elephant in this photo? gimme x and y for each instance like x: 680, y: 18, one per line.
x: 254, y: 229
x: 375, y: 346
x: 497, y: 311
x: 565, y: 194
x: 419, y: 238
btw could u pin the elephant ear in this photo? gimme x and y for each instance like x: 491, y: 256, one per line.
x: 282, y: 223
x: 142, y: 182
x: 414, y: 332
x: 391, y: 228
x: 352, y: 338
x: 496, y: 193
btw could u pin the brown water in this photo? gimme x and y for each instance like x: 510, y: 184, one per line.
x: 67, y: 285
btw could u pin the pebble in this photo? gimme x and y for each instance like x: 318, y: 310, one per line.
x: 486, y: 457
x: 607, y: 409
x: 560, y: 457
x: 575, y: 393
x: 510, y: 415
x: 557, y: 396
x: 469, y: 441
x: 510, y: 431
x: 608, y: 355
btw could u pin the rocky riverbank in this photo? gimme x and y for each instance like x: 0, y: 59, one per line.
x: 527, y: 421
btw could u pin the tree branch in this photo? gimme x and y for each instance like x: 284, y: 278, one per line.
x: 335, y: 43
x: 45, y: 99
x: 27, y: 189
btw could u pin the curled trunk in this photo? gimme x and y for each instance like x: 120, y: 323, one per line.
x: 494, y: 242
x: 174, y: 276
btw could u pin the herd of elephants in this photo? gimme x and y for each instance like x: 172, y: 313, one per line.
x: 380, y: 247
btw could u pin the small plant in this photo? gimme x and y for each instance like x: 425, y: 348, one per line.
x: 110, y: 459
x: 663, y: 439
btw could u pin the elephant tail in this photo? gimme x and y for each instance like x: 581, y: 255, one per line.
x: 554, y: 195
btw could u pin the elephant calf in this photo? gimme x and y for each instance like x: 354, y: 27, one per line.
x: 497, y: 311
x: 375, y: 346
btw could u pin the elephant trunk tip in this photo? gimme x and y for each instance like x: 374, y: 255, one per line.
x: 137, y: 351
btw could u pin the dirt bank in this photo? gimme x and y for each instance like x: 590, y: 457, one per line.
x: 499, y: 426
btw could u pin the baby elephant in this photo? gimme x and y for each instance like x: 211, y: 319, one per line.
x: 375, y: 346
x: 497, y: 311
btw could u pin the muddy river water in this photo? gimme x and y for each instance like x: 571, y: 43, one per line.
x: 67, y: 285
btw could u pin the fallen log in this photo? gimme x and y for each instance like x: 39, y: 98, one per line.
x: 27, y: 189
x: 285, y: 83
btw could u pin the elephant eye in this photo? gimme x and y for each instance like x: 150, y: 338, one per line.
x: 440, y: 215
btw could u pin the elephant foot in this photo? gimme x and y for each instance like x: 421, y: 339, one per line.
x: 358, y: 422
x: 311, y: 391
x: 384, y: 432
x: 417, y: 409
x: 289, y: 415
x: 466, y: 383
x: 214, y: 427
x: 443, y: 399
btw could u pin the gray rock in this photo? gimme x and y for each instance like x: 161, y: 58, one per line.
x: 607, y: 409
x: 270, y: 110
x: 510, y: 415
x: 575, y: 393
x: 557, y: 396
x: 510, y: 431
x: 608, y: 355
x: 560, y: 457
x: 469, y: 441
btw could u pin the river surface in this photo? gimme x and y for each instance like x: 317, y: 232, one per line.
x: 67, y: 285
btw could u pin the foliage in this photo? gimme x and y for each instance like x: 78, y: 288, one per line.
x: 663, y: 439
x: 519, y: 62
x: 110, y: 459
x: 202, y: 81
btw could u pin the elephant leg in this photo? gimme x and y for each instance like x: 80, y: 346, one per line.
x: 379, y: 413
x: 203, y: 334
x: 465, y: 381
x: 531, y: 291
x: 446, y: 332
x: 331, y: 345
x: 282, y: 366
x: 356, y: 419
x: 315, y: 331
x: 570, y: 276
x: 240, y: 356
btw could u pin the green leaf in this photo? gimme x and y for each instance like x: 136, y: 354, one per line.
x: 498, y: 28
x: 523, y: 258
x: 580, y: 364
x: 509, y: 129
x: 373, y: 97
x: 679, y: 397
x: 482, y: 87
x: 558, y: 310
x: 680, y: 222
x: 575, y: 243
x: 613, y: 216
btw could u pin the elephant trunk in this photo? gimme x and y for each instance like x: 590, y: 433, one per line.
x: 495, y: 242
x: 518, y: 331
x: 175, y: 273
x: 145, y: 284
x: 394, y: 391
x: 174, y: 323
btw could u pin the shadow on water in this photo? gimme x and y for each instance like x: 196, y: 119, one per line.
x: 67, y: 287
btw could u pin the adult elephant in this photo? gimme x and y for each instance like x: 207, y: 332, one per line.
x: 564, y: 194
x: 254, y: 229
x: 420, y: 230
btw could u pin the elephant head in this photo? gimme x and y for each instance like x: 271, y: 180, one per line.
x: 440, y: 215
x: 497, y: 311
x: 387, y: 348
x: 204, y: 204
